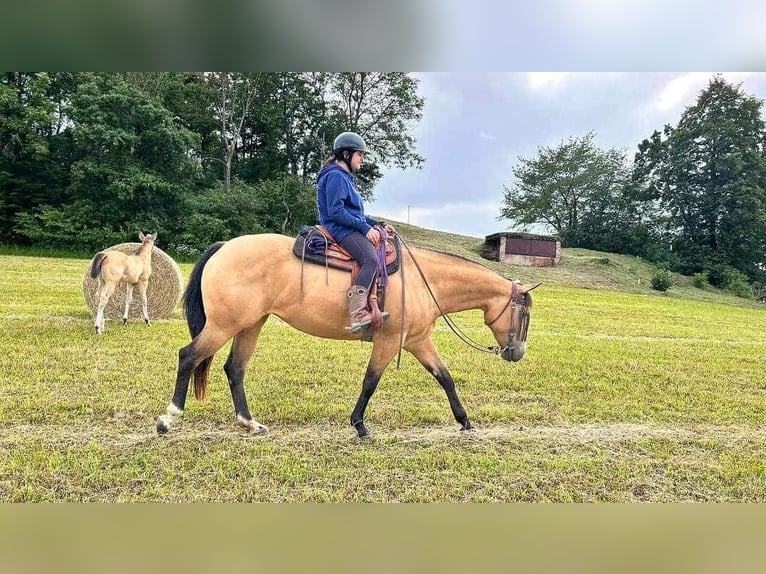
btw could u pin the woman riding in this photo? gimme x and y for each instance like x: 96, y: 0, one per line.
x: 341, y: 212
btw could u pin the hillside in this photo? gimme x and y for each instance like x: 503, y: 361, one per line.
x: 581, y: 268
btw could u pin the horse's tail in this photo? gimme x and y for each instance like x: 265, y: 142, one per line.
x: 95, y: 266
x: 194, y: 309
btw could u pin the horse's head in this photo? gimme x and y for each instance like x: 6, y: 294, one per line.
x: 509, y: 321
x: 147, y: 239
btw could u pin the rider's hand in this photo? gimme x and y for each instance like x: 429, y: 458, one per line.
x: 374, y: 236
x: 389, y: 228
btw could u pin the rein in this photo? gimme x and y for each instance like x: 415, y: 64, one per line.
x: 494, y: 349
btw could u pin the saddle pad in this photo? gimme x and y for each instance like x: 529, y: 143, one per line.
x: 335, y: 259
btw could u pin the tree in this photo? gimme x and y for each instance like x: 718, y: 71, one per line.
x: 235, y: 93
x: 132, y: 166
x: 575, y: 189
x: 26, y: 117
x: 708, y: 176
x: 381, y: 107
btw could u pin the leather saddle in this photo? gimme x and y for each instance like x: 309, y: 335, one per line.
x: 316, y: 245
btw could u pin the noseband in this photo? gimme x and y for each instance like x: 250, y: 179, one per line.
x: 513, y: 301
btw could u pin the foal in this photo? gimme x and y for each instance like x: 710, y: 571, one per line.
x: 114, y: 267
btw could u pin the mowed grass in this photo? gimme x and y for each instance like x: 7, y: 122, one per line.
x: 621, y: 397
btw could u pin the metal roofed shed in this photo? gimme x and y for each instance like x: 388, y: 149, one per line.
x: 520, y: 248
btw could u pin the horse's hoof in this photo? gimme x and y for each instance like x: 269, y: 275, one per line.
x: 469, y: 428
x: 124, y: 321
x: 361, y: 430
x: 162, y: 427
x: 260, y: 431
x: 147, y: 321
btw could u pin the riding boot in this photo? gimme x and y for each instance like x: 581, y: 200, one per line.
x: 357, y: 309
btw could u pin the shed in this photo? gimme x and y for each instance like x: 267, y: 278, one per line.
x: 523, y: 248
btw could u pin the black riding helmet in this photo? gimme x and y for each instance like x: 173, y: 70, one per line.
x: 348, y: 141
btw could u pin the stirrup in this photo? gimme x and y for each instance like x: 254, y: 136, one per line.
x: 356, y: 327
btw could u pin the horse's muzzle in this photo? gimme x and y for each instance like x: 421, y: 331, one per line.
x: 512, y: 354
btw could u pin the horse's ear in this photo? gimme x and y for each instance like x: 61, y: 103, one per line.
x: 141, y: 235
x: 529, y: 287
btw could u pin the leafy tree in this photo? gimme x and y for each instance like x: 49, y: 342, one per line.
x: 131, y: 169
x: 88, y: 158
x: 235, y: 93
x: 575, y: 189
x: 707, y: 175
x: 381, y: 107
x: 190, y: 97
x: 26, y: 117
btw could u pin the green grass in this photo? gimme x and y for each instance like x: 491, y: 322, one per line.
x: 624, y: 395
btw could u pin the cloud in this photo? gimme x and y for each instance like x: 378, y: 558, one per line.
x: 473, y: 218
x: 545, y: 80
x: 486, y: 136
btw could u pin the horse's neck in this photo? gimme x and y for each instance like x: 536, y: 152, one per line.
x: 145, y: 253
x: 460, y: 285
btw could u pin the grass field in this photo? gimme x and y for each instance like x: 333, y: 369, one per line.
x: 623, y: 396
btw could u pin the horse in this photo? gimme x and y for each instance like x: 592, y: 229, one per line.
x: 236, y: 285
x: 114, y: 267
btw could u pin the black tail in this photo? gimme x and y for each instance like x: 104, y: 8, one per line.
x: 95, y: 266
x: 194, y: 309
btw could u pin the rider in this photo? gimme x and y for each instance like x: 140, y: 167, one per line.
x: 341, y: 212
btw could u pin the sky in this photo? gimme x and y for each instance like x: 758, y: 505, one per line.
x: 475, y: 126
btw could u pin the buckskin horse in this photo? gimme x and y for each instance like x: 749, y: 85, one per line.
x: 237, y: 284
x: 114, y: 267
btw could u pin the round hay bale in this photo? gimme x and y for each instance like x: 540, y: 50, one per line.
x: 162, y: 293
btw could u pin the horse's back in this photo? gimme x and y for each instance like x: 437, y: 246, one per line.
x: 249, y: 256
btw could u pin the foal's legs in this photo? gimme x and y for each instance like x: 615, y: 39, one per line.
x: 382, y: 352
x: 202, y: 347
x: 242, y: 349
x: 425, y: 352
x: 105, y: 290
x: 128, y: 297
x: 142, y: 289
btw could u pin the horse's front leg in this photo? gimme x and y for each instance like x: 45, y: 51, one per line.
x: 128, y: 297
x: 242, y: 350
x: 425, y: 352
x: 383, y: 351
x: 142, y: 289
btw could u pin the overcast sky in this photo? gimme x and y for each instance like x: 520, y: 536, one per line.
x: 476, y: 125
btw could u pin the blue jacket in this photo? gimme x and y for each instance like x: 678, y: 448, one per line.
x: 339, y: 203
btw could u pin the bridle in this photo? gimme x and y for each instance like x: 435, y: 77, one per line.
x: 515, y: 300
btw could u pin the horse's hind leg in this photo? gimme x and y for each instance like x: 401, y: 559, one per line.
x: 202, y: 347
x: 425, y: 352
x: 105, y: 290
x: 242, y: 349
x: 128, y: 297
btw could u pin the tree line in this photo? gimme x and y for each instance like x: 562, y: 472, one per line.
x: 89, y: 159
x: 693, y: 199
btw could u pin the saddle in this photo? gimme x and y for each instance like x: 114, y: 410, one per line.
x: 316, y: 245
